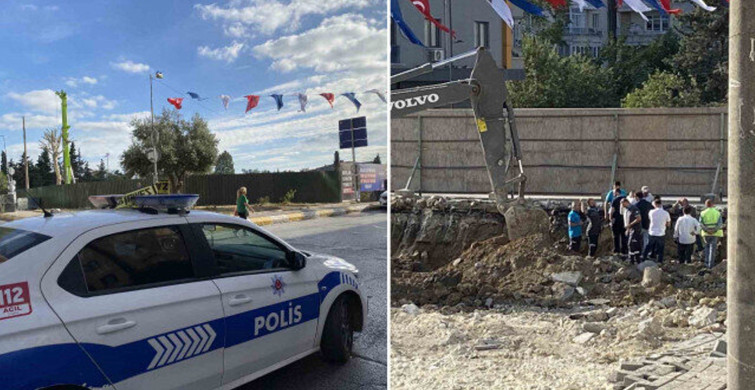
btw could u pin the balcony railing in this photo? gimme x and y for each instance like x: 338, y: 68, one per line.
x: 571, y: 31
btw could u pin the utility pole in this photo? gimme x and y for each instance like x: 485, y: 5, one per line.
x: 154, y: 136
x: 26, y: 157
x: 612, y: 20
x: 740, y: 224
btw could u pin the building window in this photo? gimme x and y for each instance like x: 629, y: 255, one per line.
x: 657, y: 22
x: 482, y: 34
x: 576, y: 18
x: 596, y: 21
x: 588, y: 51
x: 432, y: 34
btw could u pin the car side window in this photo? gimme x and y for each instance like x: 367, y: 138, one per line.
x: 238, y: 249
x: 135, y: 258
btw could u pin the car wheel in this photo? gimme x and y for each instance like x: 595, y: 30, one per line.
x: 338, y: 333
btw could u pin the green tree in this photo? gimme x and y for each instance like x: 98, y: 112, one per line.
x: 77, y: 163
x: 555, y: 81
x: 376, y: 160
x: 4, y: 163
x: 664, y: 89
x: 101, y: 173
x: 184, y: 148
x: 629, y: 66
x: 703, y: 53
x: 42, y: 174
x: 224, y: 165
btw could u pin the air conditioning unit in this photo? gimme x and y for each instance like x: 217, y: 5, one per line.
x: 435, y: 55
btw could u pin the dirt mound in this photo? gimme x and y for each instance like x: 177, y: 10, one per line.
x: 534, y: 270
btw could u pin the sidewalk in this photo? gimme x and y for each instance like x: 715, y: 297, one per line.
x: 278, y: 214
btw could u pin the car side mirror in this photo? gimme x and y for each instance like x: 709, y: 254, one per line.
x: 296, y: 260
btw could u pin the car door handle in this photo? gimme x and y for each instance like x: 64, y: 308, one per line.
x: 115, y: 325
x: 239, y: 300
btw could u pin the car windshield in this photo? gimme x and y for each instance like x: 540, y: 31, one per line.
x: 15, y: 241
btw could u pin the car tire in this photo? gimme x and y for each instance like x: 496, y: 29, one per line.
x: 338, y: 333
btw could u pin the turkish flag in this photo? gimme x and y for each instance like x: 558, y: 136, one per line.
x: 252, y: 101
x: 424, y: 7
x: 666, y: 4
x: 329, y: 97
x: 176, y: 102
x: 561, y: 3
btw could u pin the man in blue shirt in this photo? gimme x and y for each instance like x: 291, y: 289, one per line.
x: 575, y: 226
x: 610, y: 196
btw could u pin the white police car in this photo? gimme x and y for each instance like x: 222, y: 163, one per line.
x: 123, y: 299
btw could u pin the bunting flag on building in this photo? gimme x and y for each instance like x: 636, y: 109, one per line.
x: 398, y: 18
x: 353, y: 98
x: 378, y: 93
x: 252, y: 101
x: 596, y: 3
x: 278, y: 100
x: 528, y: 7
x: 657, y: 5
x: 424, y: 8
x: 639, y: 7
x: 176, y: 102
x: 195, y: 95
x: 225, y: 99
x: 701, y: 4
x: 557, y: 3
x: 302, y: 101
x: 666, y: 4
x: 329, y: 97
x: 503, y: 10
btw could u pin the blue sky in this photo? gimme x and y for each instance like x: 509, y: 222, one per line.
x: 101, y: 53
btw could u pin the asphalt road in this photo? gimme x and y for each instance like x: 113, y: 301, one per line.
x: 360, y: 239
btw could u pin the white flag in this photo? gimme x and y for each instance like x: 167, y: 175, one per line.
x: 704, y: 6
x: 377, y: 92
x: 225, y: 99
x: 503, y: 10
x: 582, y: 4
x: 639, y: 7
x: 302, y: 101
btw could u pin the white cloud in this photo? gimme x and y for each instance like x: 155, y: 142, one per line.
x: 43, y: 100
x: 267, y: 16
x: 341, y: 43
x: 130, y: 66
x: 74, y: 82
x: 227, y: 53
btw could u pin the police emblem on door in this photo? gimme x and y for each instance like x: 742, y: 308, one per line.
x: 279, y: 287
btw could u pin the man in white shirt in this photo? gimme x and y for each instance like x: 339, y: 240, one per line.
x: 685, y: 232
x: 646, y: 194
x: 659, y: 221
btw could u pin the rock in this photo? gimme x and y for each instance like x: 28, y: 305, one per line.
x: 703, y: 316
x: 410, y: 309
x: 645, y: 264
x: 571, y: 278
x: 597, y: 316
x: 650, y: 328
x: 562, y: 291
x: 612, y: 311
x: 581, y: 291
x: 583, y: 338
x: 668, y: 301
x: 598, y: 301
x: 525, y: 219
x: 593, y: 327
x: 651, y: 277
x: 457, y: 262
x: 489, y: 303
x: 677, y: 318
x: 626, y: 273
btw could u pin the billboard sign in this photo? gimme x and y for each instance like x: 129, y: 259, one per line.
x: 352, y: 129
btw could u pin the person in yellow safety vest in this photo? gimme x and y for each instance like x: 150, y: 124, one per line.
x: 711, y: 222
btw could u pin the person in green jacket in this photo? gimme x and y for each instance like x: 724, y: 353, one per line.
x: 242, y: 204
x: 711, y: 223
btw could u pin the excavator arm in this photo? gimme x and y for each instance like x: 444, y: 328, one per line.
x: 493, y: 115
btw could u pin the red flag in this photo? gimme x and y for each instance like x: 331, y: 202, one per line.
x: 666, y: 5
x: 619, y: 3
x: 562, y: 3
x: 252, y: 102
x: 329, y: 97
x: 424, y: 7
x: 176, y: 102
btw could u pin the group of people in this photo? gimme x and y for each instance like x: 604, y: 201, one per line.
x: 638, y: 224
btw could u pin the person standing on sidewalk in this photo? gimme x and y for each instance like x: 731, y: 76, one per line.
x: 633, y: 226
x: 712, y: 224
x: 686, y: 231
x: 575, y: 226
x: 617, y: 224
x: 660, y: 219
x: 243, y: 208
x: 594, y: 226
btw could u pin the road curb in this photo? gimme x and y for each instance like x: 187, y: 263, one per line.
x: 307, y: 214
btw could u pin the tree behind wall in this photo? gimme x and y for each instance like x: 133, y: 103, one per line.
x: 184, y: 148
x: 42, y: 174
x: 224, y: 165
x: 51, y: 141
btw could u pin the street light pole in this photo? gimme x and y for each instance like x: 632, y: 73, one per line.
x: 154, y: 137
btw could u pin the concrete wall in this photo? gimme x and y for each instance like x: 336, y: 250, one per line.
x: 569, y: 151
